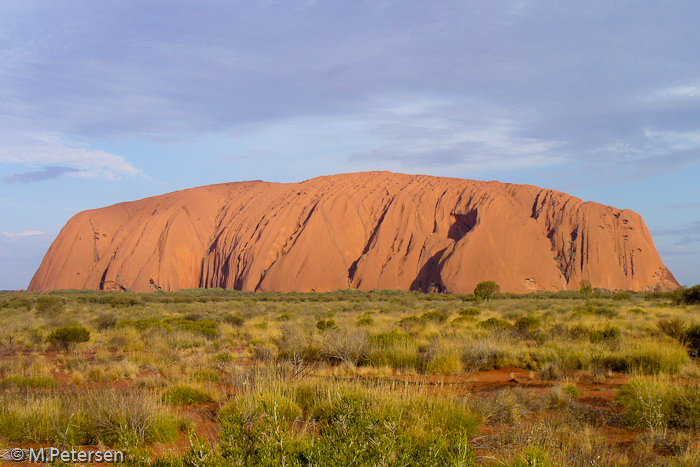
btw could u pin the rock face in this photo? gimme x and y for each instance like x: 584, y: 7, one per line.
x: 375, y: 230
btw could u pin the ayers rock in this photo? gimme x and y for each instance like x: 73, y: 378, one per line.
x: 375, y: 230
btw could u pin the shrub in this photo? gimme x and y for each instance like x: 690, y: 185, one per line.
x: 435, y: 315
x: 185, y: 395
x: 637, y: 311
x: 50, y: 304
x: 234, y: 320
x: 585, y: 288
x: 470, y: 311
x: 494, y: 323
x: 224, y: 357
x: 483, y: 355
x: 346, y: 346
x: 532, y: 457
x: 411, y: 323
x: 325, y: 324
x: 18, y: 302
x: 105, y: 321
x: 68, y: 336
x: 526, y: 323
x: 607, y: 311
x: 609, y: 334
x: 365, y: 320
x: 691, y: 337
x: 690, y: 295
x: 622, y: 296
x: 206, y: 327
x: 571, y: 389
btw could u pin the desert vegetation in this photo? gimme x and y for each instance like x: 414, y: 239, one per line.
x: 220, y: 377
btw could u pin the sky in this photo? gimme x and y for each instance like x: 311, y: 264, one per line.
x: 111, y: 101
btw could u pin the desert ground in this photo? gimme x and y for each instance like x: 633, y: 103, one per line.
x: 220, y: 377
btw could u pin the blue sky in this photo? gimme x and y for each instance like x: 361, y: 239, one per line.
x: 103, y: 102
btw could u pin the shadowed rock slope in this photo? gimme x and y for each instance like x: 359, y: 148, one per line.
x: 375, y: 230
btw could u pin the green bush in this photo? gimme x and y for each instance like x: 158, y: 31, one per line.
x: 18, y: 302
x: 526, y: 323
x: 689, y: 296
x: 234, y: 320
x: 206, y: 327
x: 494, y: 323
x: 622, y: 296
x: 365, y: 320
x: 532, y: 457
x: 143, y: 324
x: 185, y: 395
x: 68, y: 336
x: 224, y: 357
x: 470, y: 311
x: 325, y: 324
x: 435, y: 316
x: 50, y: 304
x: 610, y: 333
x: 691, y: 337
x: 607, y: 311
x: 105, y: 321
x: 411, y: 323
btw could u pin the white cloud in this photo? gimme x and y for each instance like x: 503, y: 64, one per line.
x: 674, y: 140
x: 26, y: 233
x: 50, y: 149
x: 441, y: 132
x: 678, y: 92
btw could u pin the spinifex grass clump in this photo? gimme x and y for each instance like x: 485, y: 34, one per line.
x: 395, y: 349
x: 185, y: 395
x: 85, y: 418
x: 29, y: 382
x: 655, y: 405
x: 352, y: 428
